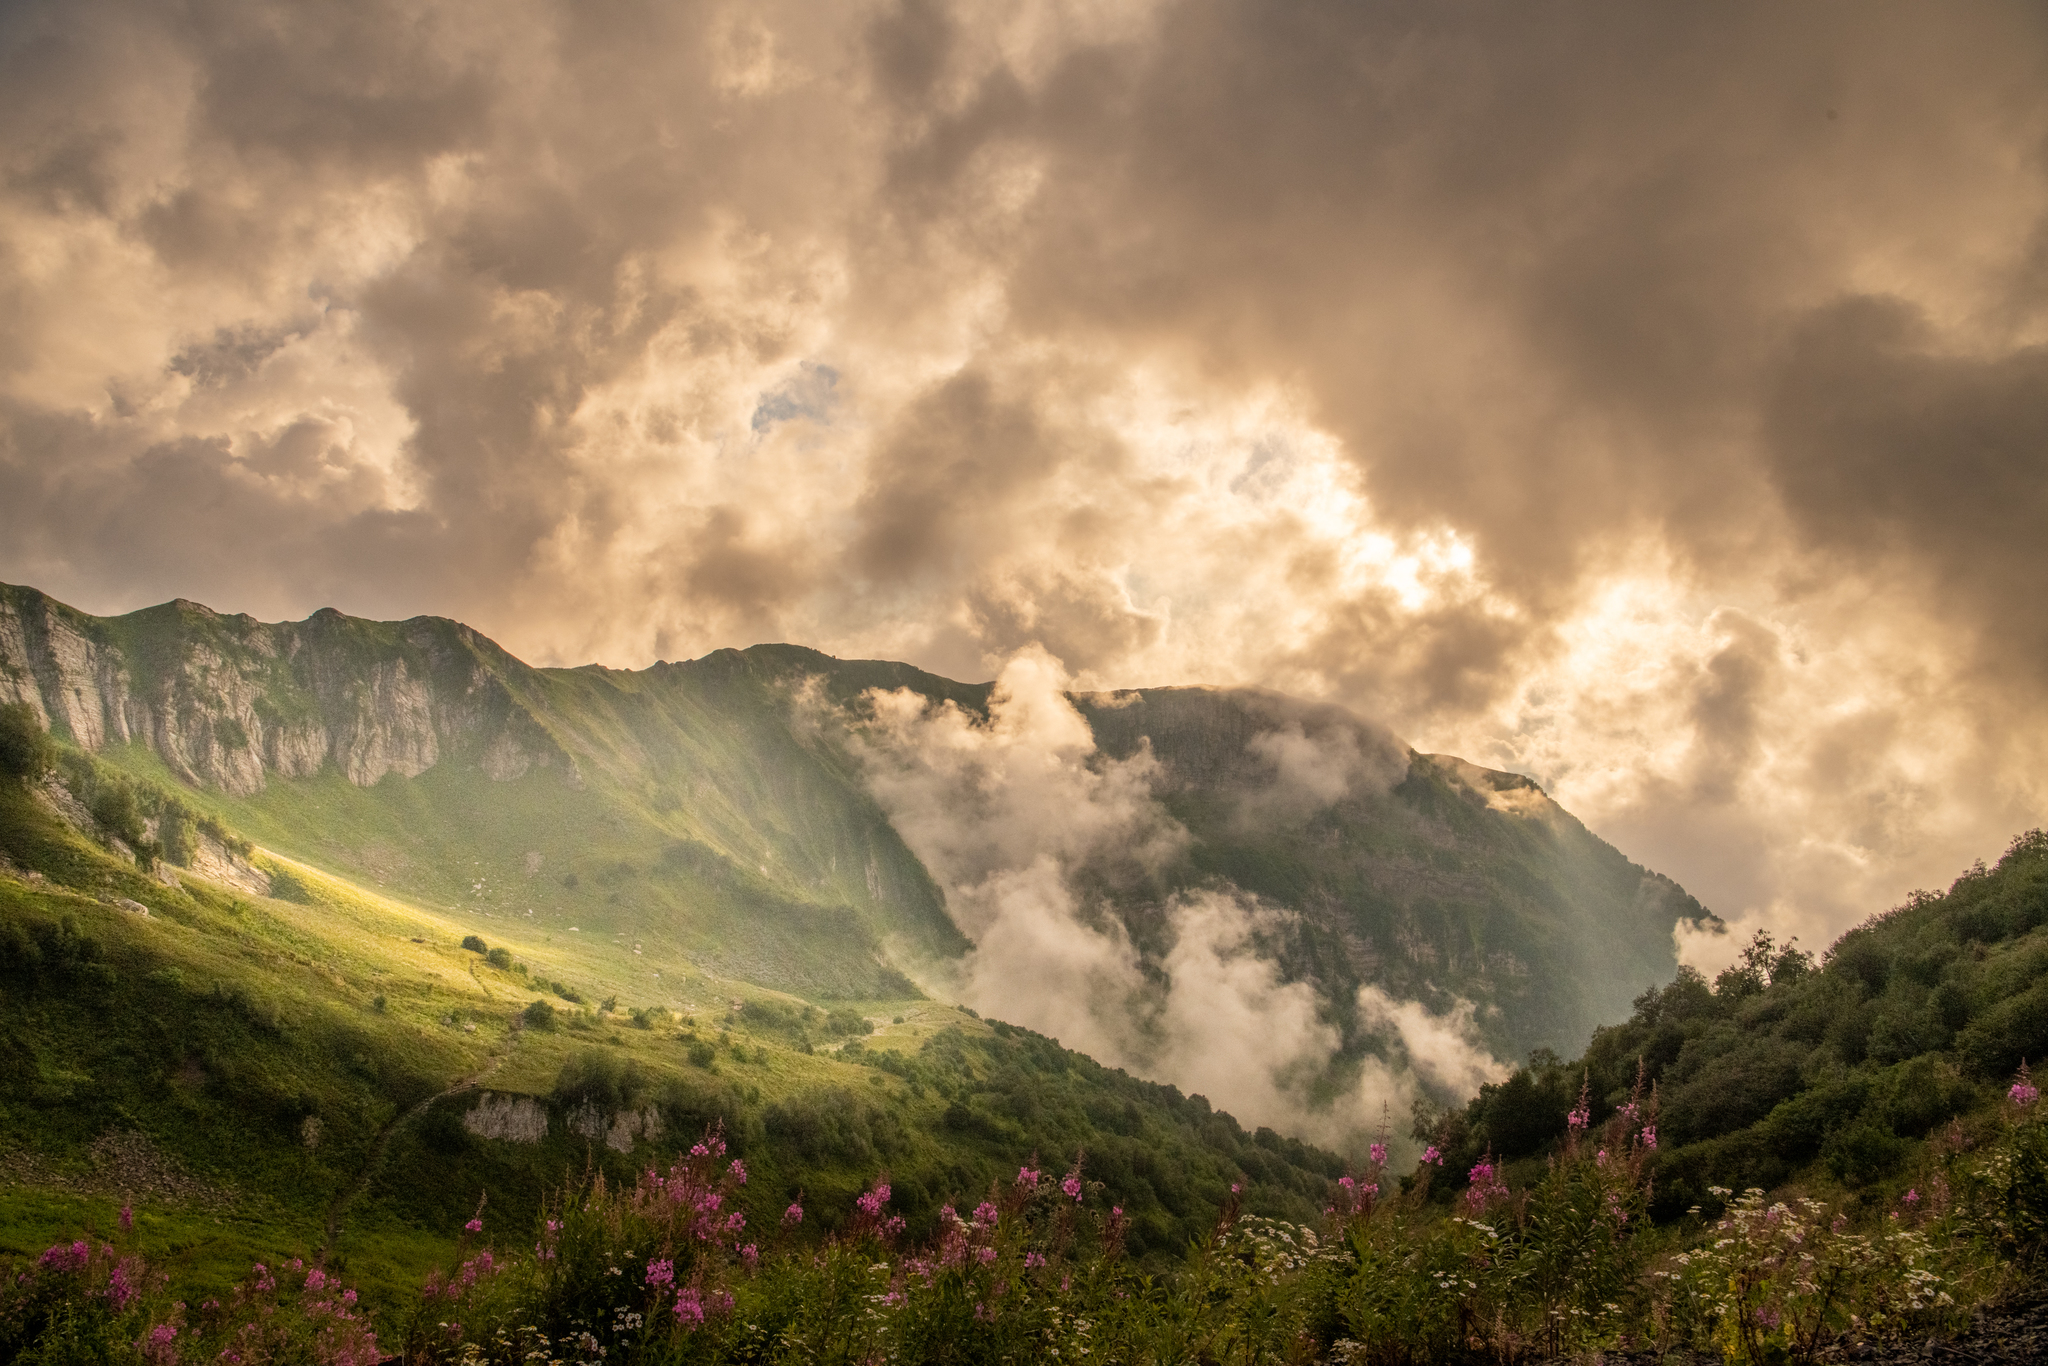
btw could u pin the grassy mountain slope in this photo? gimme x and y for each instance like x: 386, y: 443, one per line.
x: 251, y: 1072
x: 715, y: 811
x: 1838, y: 1073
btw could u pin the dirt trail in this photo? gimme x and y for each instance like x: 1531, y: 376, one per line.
x: 375, y: 1163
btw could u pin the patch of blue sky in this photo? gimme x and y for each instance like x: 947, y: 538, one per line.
x: 809, y: 394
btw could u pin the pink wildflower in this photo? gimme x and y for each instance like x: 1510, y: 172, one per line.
x: 1431, y: 1155
x: 473, y: 1226
x: 1347, y: 1184
x: 739, y: 1171
x: 1912, y: 1197
x: 1650, y: 1136
x: 1578, y: 1118
x: 127, y: 1218
x: 986, y: 1254
x: 689, y: 1307
x: 1379, y: 1154
x: 751, y: 1255
x: 1600, y: 1157
x: 121, y: 1291
x: 1072, y: 1186
x: 1027, y: 1177
x: 985, y: 1214
x: 794, y: 1215
x: 872, y: 1202
x: 2023, y: 1091
x: 1033, y: 1260
x: 661, y: 1272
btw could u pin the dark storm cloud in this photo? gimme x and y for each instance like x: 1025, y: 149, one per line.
x: 1886, y: 447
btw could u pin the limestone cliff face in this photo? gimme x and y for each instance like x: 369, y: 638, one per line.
x: 229, y: 702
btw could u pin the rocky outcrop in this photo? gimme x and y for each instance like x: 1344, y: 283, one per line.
x: 620, y: 1131
x: 229, y: 702
x: 509, y: 1119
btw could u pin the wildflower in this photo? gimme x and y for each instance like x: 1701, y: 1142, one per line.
x: 1235, y: 1187
x: 1027, y: 1177
x: 751, y: 1255
x: 1379, y: 1154
x: 473, y: 1226
x: 2023, y: 1091
x: 1072, y: 1186
x: 985, y: 1214
x: 986, y: 1254
x: 1912, y: 1197
x: 1600, y: 1158
x: 739, y: 1171
x: 1432, y: 1156
x: 121, y: 1291
x: 1578, y: 1118
x: 689, y: 1307
x: 62, y: 1258
x: 127, y: 1218
x: 872, y: 1202
x: 1347, y: 1184
x: 1649, y: 1136
x: 662, y: 1272
x: 1033, y: 1260
x: 793, y: 1216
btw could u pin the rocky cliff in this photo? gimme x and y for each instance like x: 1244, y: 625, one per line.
x: 231, y: 703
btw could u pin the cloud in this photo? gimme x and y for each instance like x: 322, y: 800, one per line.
x: 1648, y: 402
x: 1049, y: 852
x: 1444, y: 1048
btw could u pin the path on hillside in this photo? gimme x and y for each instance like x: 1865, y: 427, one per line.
x: 376, y: 1160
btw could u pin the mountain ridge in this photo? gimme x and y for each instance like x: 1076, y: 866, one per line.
x: 724, y: 803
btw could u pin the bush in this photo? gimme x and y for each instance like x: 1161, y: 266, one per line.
x: 594, y: 1077
x: 500, y: 958
x: 474, y: 944
x: 539, y: 1015
x: 26, y: 752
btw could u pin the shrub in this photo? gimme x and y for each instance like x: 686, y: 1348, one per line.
x: 593, y: 1077
x: 499, y: 958
x: 475, y: 944
x: 539, y: 1015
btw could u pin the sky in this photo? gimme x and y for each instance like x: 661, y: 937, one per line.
x: 1652, y: 399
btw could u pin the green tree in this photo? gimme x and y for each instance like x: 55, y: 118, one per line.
x: 25, y: 749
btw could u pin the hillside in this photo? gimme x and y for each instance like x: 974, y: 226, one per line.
x: 261, y: 1077
x: 1844, y: 1073
x: 718, y: 812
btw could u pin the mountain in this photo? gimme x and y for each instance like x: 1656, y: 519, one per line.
x: 722, y: 812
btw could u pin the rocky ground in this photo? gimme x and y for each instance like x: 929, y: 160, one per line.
x: 126, y: 1166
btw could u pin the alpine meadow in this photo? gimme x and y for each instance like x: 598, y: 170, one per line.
x: 1149, y: 682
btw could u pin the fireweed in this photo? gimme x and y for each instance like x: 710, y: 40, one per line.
x: 93, y: 1301
x: 667, y: 1271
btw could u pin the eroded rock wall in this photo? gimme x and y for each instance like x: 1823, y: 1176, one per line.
x: 229, y: 702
